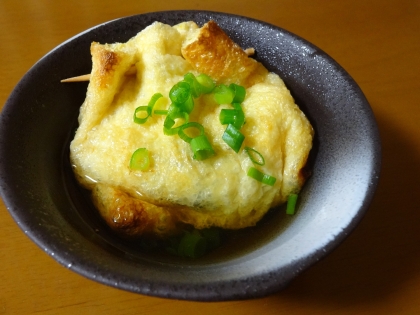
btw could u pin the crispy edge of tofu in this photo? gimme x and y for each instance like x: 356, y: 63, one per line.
x: 214, y: 53
x: 131, y: 217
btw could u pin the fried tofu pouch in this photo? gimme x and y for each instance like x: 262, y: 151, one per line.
x: 177, y: 190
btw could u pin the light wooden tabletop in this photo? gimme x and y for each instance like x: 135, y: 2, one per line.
x: 375, y: 271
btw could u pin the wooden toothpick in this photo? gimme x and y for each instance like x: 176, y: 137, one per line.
x: 80, y: 78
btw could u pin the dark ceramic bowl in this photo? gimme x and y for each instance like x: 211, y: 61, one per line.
x: 38, y: 188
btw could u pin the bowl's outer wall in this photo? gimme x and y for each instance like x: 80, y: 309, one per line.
x: 40, y: 117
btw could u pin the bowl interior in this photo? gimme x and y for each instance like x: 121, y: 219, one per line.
x: 38, y: 187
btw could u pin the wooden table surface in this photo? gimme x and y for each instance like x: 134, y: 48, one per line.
x: 374, y: 271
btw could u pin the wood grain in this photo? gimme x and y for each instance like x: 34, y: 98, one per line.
x: 375, y: 271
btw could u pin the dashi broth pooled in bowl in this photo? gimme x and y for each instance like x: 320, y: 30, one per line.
x: 177, y: 189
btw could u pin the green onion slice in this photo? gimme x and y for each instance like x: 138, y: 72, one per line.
x: 140, y: 160
x: 207, y: 84
x: 291, y: 204
x: 234, y: 117
x: 261, y: 177
x: 195, y: 125
x: 141, y: 120
x: 223, y: 94
x: 160, y: 112
x: 201, y: 148
x: 187, y: 106
x: 173, y: 110
x: 192, y: 245
x: 195, y: 243
x: 200, y: 145
x: 152, y: 102
x: 180, y: 92
x: 233, y: 137
x: 240, y: 118
x: 194, y: 84
x: 148, y: 109
x: 237, y: 106
x: 168, y: 124
x: 255, y: 156
x: 239, y: 93
x: 227, y: 116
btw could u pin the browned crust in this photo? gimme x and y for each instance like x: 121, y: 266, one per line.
x: 130, y: 216
x: 216, y: 55
x: 106, y: 60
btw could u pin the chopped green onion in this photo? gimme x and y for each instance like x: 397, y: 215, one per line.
x: 223, y: 94
x: 261, y: 177
x: 194, y: 84
x: 200, y: 145
x: 192, y: 245
x: 234, y: 117
x: 291, y: 204
x: 233, y: 137
x: 140, y: 160
x: 237, y: 106
x: 173, y: 110
x: 227, y: 116
x: 153, y: 101
x: 169, y: 122
x: 239, y: 93
x: 148, y: 109
x: 207, y: 84
x: 160, y: 112
x: 187, y: 106
x: 240, y: 118
x: 201, y: 148
x: 141, y: 120
x: 255, y: 156
x: 184, y: 136
x: 180, y: 92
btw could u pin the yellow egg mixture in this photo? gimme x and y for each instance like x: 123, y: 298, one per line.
x: 178, y: 189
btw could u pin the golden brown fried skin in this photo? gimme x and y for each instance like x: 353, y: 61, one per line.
x: 214, y: 53
x: 133, y: 217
